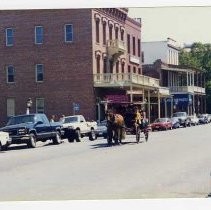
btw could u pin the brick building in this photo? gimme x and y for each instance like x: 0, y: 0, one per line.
x: 63, y: 57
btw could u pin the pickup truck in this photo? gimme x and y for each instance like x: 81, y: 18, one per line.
x: 4, y: 140
x: 31, y: 128
x: 76, y: 127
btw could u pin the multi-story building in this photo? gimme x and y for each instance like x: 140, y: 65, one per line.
x: 68, y: 61
x: 186, y: 84
x: 167, y: 51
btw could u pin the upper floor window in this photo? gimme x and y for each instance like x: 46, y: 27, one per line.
x: 39, y: 72
x: 40, y: 105
x: 134, y: 45
x: 105, y: 65
x: 128, y: 43
x: 110, y: 32
x: 9, y: 36
x: 98, y: 64
x: 122, y: 35
x: 104, y: 33
x: 68, y: 33
x: 97, y: 31
x: 117, y: 67
x: 139, y: 48
x: 123, y: 67
x: 116, y: 33
x: 10, y: 74
x: 38, y: 34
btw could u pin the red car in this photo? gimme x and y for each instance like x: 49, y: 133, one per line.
x: 161, y: 124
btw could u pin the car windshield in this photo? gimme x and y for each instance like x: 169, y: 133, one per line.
x: 161, y: 120
x: 21, y: 119
x: 179, y: 114
x: 70, y: 119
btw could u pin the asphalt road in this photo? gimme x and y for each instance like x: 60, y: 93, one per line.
x: 172, y: 164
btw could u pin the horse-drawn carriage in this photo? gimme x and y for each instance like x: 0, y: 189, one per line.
x: 131, y: 122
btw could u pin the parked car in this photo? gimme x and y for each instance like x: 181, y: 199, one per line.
x: 175, y: 122
x: 5, y: 140
x: 101, y: 130
x: 203, y: 118
x: 209, y: 118
x: 30, y: 128
x: 183, y: 118
x: 161, y: 124
x: 76, y: 127
x: 194, y: 120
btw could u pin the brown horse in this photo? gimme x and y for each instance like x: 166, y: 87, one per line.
x: 116, y: 128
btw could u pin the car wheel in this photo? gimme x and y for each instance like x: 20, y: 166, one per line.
x: 32, y: 141
x: 78, y: 135
x: 92, y: 135
x: 57, y: 139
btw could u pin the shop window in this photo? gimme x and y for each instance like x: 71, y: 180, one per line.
x: 39, y: 105
x: 10, y: 107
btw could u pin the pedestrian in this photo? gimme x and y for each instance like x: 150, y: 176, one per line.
x: 52, y: 118
x: 62, y: 119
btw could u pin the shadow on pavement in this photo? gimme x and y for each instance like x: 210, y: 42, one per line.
x: 102, y: 145
x: 18, y: 147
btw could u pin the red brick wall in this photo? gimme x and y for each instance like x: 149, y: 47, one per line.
x: 67, y: 67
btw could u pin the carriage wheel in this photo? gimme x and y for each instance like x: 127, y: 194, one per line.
x: 146, y: 136
x: 138, y: 131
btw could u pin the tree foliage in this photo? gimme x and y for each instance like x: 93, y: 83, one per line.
x: 199, y: 56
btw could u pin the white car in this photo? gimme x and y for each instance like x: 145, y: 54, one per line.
x: 5, y: 140
x: 194, y: 120
x: 76, y: 126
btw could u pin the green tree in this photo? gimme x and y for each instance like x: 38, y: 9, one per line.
x: 199, y: 56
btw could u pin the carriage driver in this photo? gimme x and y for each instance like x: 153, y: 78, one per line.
x: 140, y: 118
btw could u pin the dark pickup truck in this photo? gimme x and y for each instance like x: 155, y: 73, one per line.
x: 31, y: 128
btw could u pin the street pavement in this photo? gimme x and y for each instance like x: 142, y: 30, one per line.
x: 172, y: 164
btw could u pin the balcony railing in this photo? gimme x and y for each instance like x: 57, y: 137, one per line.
x: 116, y: 47
x: 123, y: 79
x: 199, y: 89
x: 189, y: 89
x: 164, y: 91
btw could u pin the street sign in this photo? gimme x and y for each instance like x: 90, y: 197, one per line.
x: 76, y: 107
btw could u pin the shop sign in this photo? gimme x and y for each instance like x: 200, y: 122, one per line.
x: 117, y: 98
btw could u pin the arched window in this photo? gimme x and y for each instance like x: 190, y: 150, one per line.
x: 98, y: 63
x: 97, y: 30
x: 104, y: 33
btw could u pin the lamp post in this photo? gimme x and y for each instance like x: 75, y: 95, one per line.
x: 28, y: 105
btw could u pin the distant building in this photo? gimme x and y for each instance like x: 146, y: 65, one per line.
x: 167, y: 51
x: 186, y: 84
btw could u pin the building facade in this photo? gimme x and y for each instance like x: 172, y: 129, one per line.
x: 46, y: 55
x: 70, y: 61
x: 167, y: 51
x: 186, y: 84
